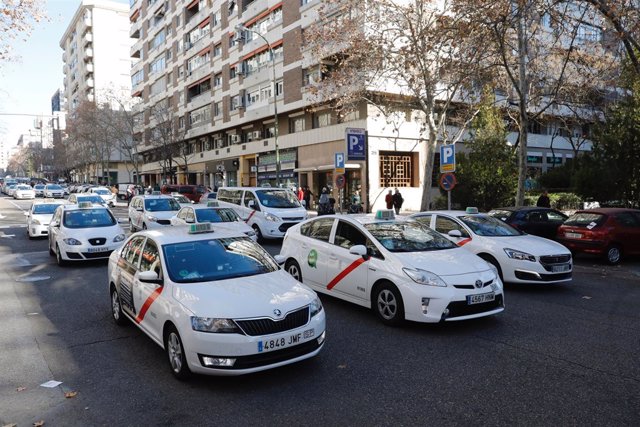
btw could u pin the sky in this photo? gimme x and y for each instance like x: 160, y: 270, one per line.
x: 27, y: 85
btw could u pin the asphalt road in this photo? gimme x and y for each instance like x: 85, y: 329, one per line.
x: 558, y: 355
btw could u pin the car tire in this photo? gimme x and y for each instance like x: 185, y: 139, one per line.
x: 132, y: 227
x: 116, y: 308
x: 259, y: 237
x: 613, y: 254
x: 387, y: 304
x: 491, y: 260
x: 61, y: 262
x: 293, y: 268
x: 176, y: 354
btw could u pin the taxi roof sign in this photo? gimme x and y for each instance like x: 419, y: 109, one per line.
x: 155, y: 193
x: 204, y: 227
x: 471, y: 210
x: 385, y: 214
x: 213, y: 204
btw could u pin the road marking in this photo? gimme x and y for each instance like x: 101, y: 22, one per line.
x: 17, y: 206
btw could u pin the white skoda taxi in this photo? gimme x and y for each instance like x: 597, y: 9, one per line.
x: 151, y: 211
x: 396, y: 266
x: 23, y: 192
x: 519, y: 257
x: 215, y: 301
x: 211, y: 213
x: 83, y: 232
x: 39, y: 216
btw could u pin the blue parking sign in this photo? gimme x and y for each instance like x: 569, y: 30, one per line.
x: 448, y: 158
x: 355, y: 139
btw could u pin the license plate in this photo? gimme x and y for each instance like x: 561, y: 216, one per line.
x: 573, y: 235
x: 284, y: 342
x: 560, y: 268
x: 480, y: 298
x: 93, y: 250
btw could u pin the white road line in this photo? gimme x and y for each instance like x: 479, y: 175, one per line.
x: 13, y: 203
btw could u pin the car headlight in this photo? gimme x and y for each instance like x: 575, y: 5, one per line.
x: 211, y: 324
x: 424, y: 277
x: 315, y: 307
x: 152, y: 218
x: 523, y: 256
x: 118, y: 238
x: 35, y: 222
x: 271, y: 217
x: 72, y: 241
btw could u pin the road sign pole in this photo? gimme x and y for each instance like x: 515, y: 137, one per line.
x: 449, y: 200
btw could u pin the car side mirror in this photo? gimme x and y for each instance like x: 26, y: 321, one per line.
x: 455, y: 233
x: 149, y: 277
x: 360, y: 250
x: 189, y: 221
x: 54, y: 224
x: 280, y: 259
x: 251, y: 204
x: 139, y: 209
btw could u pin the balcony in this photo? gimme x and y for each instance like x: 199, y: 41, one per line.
x: 89, y: 67
x: 199, y: 101
x: 90, y: 82
x: 88, y: 53
x: 88, y: 37
x: 135, y: 29
x: 136, y: 49
x: 64, y: 56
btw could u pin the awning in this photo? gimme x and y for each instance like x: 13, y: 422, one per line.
x: 326, y: 167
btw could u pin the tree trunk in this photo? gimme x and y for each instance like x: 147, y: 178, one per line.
x: 524, y: 117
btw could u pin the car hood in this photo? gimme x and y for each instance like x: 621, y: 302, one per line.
x: 91, y: 233
x: 288, y: 213
x: 252, y: 296
x: 43, y: 218
x: 531, y: 244
x: 162, y: 214
x: 447, y: 262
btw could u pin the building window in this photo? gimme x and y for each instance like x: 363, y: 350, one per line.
x: 217, y: 50
x: 279, y: 88
x: 398, y: 169
x: 217, y: 80
x: 296, y: 124
x: 217, y: 109
x: 322, y: 119
x: 235, y: 103
x: 158, y: 65
x: 232, y: 72
x: 198, y: 61
x: 158, y: 86
x: 200, y: 116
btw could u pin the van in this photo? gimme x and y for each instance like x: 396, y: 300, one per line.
x: 269, y: 211
x: 191, y: 192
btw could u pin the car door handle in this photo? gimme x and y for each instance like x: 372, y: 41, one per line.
x: 372, y: 269
x: 304, y: 246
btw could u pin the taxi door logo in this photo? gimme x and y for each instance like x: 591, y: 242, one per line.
x: 312, y: 258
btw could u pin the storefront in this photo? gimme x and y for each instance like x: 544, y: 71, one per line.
x: 267, y: 169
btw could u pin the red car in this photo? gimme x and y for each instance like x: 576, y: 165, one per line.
x: 608, y: 232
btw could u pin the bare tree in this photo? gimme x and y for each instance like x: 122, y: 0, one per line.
x: 17, y: 19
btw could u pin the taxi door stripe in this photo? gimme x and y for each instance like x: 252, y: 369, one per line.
x: 155, y: 294
x: 249, y: 217
x: 464, y: 242
x: 345, y: 272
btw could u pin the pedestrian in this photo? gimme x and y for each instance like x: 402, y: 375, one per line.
x: 156, y: 187
x: 307, y: 197
x: 397, y: 201
x: 300, y: 194
x: 323, y: 202
x: 543, y: 200
x: 388, y: 199
x: 130, y: 192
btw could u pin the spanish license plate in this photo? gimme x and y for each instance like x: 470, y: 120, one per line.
x: 573, y: 235
x: 561, y: 268
x: 93, y: 250
x: 284, y: 342
x: 480, y: 298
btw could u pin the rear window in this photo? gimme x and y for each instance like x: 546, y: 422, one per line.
x: 500, y: 214
x: 586, y: 219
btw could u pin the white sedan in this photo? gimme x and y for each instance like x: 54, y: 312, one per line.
x: 519, y: 257
x: 23, y: 191
x: 53, y: 190
x: 215, y: 301
x: 39, y: 216
x: 397, y: 267
x: 105, y: 194
x: 219, y: 217
x: 83, y: 232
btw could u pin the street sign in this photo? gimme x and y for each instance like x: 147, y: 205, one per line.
x: 339, y: 163
x: 340, y: 181
x: 355, y: 139
x: 448, y: 158
x: 448, y: 181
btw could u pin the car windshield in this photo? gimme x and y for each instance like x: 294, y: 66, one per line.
x: 585, y: 219
x: 217, y: 215
x: 212, y: 195
x: 89, y: 218
x: 500, y: 214
x: 47, y: 208
x: 484, y: 225
x: 408, y: 236
x: 102, y: 191
x: 24, y: 187
x: 54, y: 187
x: 278, y: 199
x: 39, y: 186
x: 157, y: 205
x: 181, y: 199
x: 92, y: 199
x: 216, y: 259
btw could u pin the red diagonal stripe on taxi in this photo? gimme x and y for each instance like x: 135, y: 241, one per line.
x: 249, y: 217
x: 155, y: 294
x: 464, y: 242
x: 344, y: 272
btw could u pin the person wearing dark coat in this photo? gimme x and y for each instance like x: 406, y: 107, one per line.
x: 543, y: 200
x: 397, y: 201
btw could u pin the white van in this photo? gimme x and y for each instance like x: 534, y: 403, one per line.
x: 269, y: 211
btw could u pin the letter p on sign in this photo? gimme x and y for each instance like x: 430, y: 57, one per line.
x: 447, y: 158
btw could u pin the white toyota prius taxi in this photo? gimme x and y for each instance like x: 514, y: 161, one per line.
x: 212, y: 213
x: 83, y: 232
x: 215, y: 301
x: 398, y: 267
x: 519, y: 257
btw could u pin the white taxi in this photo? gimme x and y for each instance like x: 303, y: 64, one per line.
x: 83, y: 232
x: 212, y: 213
x: 519, y: 257
x: 23, y: 192
x: 151, y: 211
x: 398, y: 267
x: 53, y: 190
x: 215, y: 301
x: 39, y: 216
x: 105, y: 194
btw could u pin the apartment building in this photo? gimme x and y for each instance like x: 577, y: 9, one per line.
x: 239, y: 99
x: 96, y: 63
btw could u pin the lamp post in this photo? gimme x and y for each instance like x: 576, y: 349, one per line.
x: 241, y: 27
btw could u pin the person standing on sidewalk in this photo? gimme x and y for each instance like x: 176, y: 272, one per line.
x: 388, y: 199
x: 397, y: 201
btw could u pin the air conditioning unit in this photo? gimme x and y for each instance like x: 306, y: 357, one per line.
x: 240, y: 70
x: 257, y: 134
x: 238, y: 37
x: 234, y: 139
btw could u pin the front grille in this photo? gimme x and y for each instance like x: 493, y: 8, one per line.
x: 461, y: 308
x: 523, y: 275
x: 263, y: 359
x: 96, y: 255
x: 74, y: 255
x: 266, y: 326
x: 555, y: 259
x: 164, y: 221
x: 285, y: 227
x: 484, y: 285
x: 292, y: 218
x: 98, y: 241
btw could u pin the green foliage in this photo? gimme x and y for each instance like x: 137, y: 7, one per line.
x: 487, y: 174
x: 558, y: 177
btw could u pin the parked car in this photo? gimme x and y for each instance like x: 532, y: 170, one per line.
x: 543, y: 222
x: 39, y: 189
x: 182, y: 199
x: 208, y: 196
x: 23, y: 191
x: 191, y: 192
x: 53, y: 190
x: 608, y: 232
x: 9, y: 189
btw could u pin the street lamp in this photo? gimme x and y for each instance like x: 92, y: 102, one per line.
x: 241, y: 27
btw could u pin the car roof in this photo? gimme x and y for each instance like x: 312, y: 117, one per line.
x: 607, y: 211
x: 50, y: 202
x: 154, y: 196
x: 170, y: 235
x: 367, y: 218
x: 75, y: 207
x: 451, y: 213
